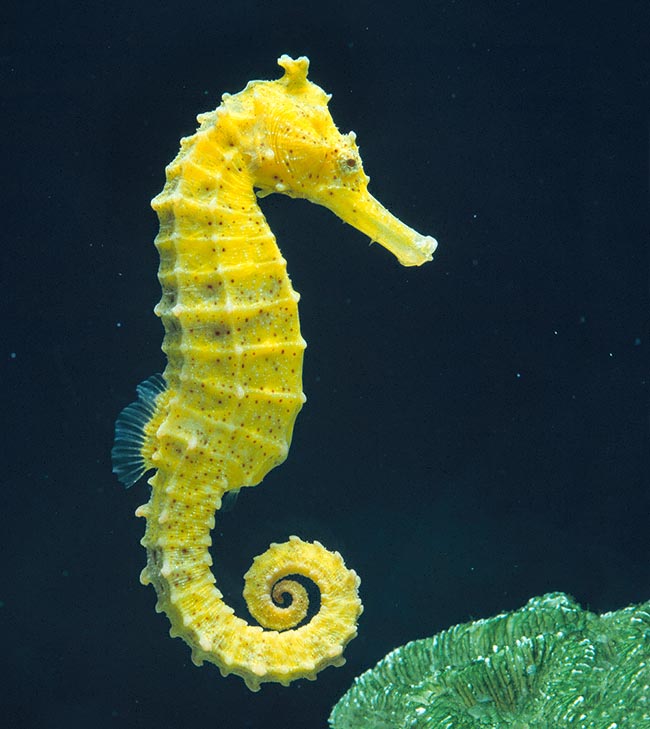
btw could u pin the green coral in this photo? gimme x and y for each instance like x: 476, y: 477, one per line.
x: 549, y: 664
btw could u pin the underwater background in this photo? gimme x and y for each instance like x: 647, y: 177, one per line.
x: 476, y: 430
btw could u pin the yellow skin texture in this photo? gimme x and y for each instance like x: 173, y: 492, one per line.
x: 234, y: 372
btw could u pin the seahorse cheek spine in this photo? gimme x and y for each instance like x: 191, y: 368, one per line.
x: 224, y: 414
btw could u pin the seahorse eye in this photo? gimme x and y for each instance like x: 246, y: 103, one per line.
x: 348, y: 163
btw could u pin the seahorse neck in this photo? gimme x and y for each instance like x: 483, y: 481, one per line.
x: 210, y: 227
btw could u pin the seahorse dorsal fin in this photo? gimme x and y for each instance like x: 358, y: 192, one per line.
x: 131, y: 452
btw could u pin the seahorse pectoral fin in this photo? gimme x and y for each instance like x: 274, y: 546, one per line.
x: 229, y: 500
x: 361, y: 210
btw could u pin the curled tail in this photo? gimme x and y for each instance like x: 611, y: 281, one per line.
x: 180, y: 516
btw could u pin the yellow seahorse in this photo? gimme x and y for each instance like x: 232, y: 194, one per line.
x: 222, y: 414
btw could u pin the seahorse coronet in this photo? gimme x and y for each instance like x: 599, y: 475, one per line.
x: 222, y: 414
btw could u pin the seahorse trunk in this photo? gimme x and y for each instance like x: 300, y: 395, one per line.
x: 224, y: 414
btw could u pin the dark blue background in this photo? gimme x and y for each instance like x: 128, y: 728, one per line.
x: 476, y: 430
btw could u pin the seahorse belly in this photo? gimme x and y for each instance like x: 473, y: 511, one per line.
x: 225, y: 412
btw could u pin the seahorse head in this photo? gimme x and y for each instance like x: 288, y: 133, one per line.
x: 294, y: 147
